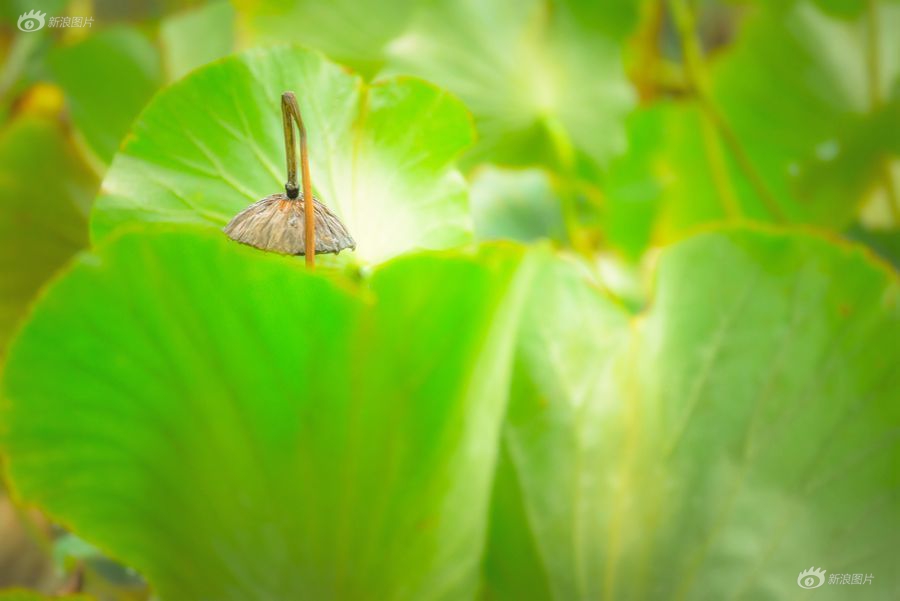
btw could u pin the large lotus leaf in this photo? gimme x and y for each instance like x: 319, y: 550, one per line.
x: 124, y: 71
x: 544, y: 80
x: 551, y: 509
x: 236, y: 427
x: 742, y: 431
x: 211, y: 144
x: 45, y: 192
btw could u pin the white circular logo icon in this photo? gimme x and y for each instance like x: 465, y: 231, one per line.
x: 811, y: 578
x: 31, y: 21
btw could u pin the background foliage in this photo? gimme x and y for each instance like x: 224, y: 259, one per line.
x: 621, y: 323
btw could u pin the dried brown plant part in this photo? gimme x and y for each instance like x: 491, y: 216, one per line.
x: 278, y: 224
x: 285, y: 223
x: 24, y: 547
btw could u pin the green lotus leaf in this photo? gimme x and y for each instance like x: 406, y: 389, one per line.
x: 549, y: 509
x: 820, y: 119
x: 211, y: 144
x: 104, y: 99
x: 633, y: 184
x: 741, y: 431
x: 45, y: 194
x: 795, y: 94
x: 196, y: 37
x: 634, y: 455
x: 235, y: 427
x: 542, y: 79
x: 348, y: 31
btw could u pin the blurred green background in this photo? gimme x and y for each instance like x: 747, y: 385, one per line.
x: 607, y: 129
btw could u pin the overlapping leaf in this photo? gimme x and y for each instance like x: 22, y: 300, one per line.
x: 237, y: 428
x: 634, y: 459
x: 746, y: 429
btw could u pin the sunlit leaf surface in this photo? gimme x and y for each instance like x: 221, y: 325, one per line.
x: 381, y: 155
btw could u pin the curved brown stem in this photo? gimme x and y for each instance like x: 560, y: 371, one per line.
x: 685, y: 23
x: 290, y: 111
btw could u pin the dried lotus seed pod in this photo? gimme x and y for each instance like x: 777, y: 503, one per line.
x: 278, y: 224
x: 284, y: 222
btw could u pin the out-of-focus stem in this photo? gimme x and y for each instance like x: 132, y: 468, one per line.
x: 567, y: 190
x: 565, y: 154
x: 698, y: 79
x: 646, y: 41
x: 890, y: 190
x: 873, y: 54
x: 719, y: 166
x: 876, y: 101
